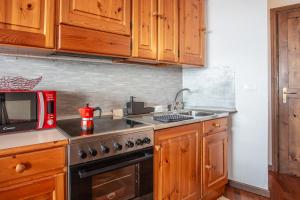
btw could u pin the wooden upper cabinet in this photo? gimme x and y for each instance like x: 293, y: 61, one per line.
x: 215, y: 161
x: 105, y: 15
x: 95, y: 27
x: 177, y: 163
x: 168, y: 30
x: 192, y: 32
x: 144, y: 29
x: 27, y: 22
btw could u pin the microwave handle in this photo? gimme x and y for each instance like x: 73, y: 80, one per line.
x: 41, y: 103
x: 84, y: 174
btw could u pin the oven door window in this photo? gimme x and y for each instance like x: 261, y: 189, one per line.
x: 119, y: 184
x: 18, y: 108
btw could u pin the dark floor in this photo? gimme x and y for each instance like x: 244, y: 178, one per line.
x: 282, y: 187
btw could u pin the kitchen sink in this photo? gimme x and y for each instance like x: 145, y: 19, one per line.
x: 197, y: 113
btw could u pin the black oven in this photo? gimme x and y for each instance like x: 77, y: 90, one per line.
x: 122, y: 177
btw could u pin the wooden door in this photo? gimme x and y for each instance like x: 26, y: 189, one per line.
x: 168, y: 30
x: 177, y: 163
x: 144, y: 29
x: 289, y: 91
x: 111, y: 16
x: 47, y: 188
x: 27, y: 22
x: 215, y: 161
x: 192, y: 32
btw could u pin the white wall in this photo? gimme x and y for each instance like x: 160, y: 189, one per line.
x: 238, y: 38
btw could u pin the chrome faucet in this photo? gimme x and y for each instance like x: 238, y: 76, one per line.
x: 180, y: 104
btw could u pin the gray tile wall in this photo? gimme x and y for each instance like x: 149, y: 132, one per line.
x: 211, y: 86
x: 105, y: 85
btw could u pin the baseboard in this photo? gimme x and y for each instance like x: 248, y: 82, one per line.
x: 249, y: 188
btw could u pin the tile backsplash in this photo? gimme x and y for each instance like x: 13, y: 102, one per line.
x: 211, y: 86
x: 105, y: 85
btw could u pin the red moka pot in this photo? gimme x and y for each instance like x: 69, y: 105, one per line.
x: 87, y: 116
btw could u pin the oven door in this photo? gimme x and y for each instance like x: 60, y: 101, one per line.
x: 123, y: 177
x: 18, y: 111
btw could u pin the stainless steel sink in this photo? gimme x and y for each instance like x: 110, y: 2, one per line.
x: 197, y: 113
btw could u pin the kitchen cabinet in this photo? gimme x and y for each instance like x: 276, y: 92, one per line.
x: 144, y: 30
x: 27, y: 22
x: 34, y: 172
x: 95, y: 26
x: 155, y: 30
x: 177, y: 162
x: 192, y: 32
x: 215, y: 161
x: 190, y: 161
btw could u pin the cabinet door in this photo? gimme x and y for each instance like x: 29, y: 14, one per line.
x: 168, y: 30
x: 215, y: 161
x: 192, y: 32
x: 48, y: 188
x: 144, y: 29
x: 27, y: 22
x: 177, y: 163
x: 111, y: 16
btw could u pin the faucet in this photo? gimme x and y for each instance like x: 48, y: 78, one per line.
x: 180, y: 104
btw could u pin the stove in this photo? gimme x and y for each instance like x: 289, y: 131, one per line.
x: 109, y: 137
x: 113, y: 161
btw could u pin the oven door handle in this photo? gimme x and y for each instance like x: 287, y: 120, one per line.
x: 84, y: 174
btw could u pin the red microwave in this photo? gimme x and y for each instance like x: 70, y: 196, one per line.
x: 27, y: 110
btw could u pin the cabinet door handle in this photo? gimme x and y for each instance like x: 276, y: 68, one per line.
x: 157, y: 147
x: 111, y: 195
x: 208, y: 166
x: 20, y: 168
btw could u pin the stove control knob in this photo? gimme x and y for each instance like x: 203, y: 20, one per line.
x: 82, y: 154
x: 139, y: 142
x: 104, y: 149
x: 93, y: 152
x: 129, y: 144
x: 146, y: 140
x: 118, y: 146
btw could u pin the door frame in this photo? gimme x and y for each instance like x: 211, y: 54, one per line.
x: 275, y: 82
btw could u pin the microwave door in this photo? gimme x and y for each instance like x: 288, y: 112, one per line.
x: 3, y: 111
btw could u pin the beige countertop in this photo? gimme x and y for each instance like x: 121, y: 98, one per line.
x: 27, y: 138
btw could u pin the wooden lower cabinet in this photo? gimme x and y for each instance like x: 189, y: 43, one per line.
x: 188, y: 164
x: 214, y: 162
x: 37, y: 172
x: 177, y: 163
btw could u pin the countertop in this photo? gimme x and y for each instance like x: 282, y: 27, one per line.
x: 148, y: 119
x: 20, y: 139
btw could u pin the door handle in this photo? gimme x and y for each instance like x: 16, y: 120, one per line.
x: 285, y: 93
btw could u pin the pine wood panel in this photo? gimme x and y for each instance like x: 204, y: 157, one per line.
x: 33, y: 163
x: 104, y: 15
x: 27, y: 22
x: 215, y: 161
x: 144, y: 29
x: 47, y: 188
x: 177, y: 163
x: 168, y: 20
x: 192, y: 32
x: 91, y: 41
x: 288, y: 44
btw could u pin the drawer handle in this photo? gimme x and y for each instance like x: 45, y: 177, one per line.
x: 20, y: 168
x: 111, y: 195
x: 217, y: 125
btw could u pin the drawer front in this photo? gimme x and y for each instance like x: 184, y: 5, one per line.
x: 27, y: 164
x: 215, y: 126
